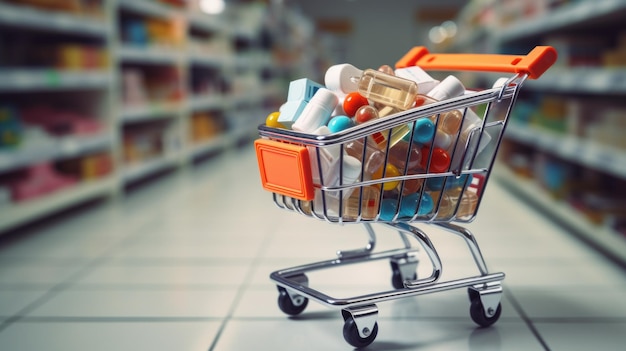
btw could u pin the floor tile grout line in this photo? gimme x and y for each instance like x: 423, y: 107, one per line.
x: 61, y: 286
x: 254, y: 263
x: 113, y: 319
x: 98, y: 319
x: 526, y: 319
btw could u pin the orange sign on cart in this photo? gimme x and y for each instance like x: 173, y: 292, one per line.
x: 285, y: 168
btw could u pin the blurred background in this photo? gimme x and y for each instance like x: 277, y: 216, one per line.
x: 99, y: 96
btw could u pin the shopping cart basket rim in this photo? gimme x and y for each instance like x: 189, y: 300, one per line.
x: 471, y: 98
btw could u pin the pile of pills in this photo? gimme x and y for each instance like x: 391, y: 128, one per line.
x: 350, y: 97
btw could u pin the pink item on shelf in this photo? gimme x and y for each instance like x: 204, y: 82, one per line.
x: 134, y: 91
x: 77, y: 124
x: 41, y: 179
x: 59, y: 122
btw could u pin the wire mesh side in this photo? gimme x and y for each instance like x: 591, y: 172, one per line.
x: 388, y: 187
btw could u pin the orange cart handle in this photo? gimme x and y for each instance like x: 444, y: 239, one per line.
x: 534, y: 64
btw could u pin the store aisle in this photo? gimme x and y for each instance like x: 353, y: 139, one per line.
x: 183, y: 264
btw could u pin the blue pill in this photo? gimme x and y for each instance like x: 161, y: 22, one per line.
x: 423, y: 131
x: 408, y: 205
x: 339, y: 123
x: 388, y: 209
x: 460, y: 181
x: 436, y: 183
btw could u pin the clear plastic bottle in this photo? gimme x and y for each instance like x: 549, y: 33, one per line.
x: 367, y: 113
x: 387, y: 89
x: 448, y: 88
x: 467, y: 201
x: 350, y: 169
x: 367, y: 207
x: 444, y: 204
x: 398, y: 157
x: 374, y: 158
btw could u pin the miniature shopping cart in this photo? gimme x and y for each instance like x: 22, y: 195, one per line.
x: 294, y: 167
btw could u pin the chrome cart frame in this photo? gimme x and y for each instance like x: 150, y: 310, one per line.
x: 360, y: 312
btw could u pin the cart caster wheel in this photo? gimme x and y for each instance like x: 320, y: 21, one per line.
x: 397, y: 280
x: 352, y: 337
x: 291, y: 306
x: 477, y: 312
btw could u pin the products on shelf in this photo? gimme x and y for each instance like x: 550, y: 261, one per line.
x: 608, y: 128
x: 26, y: 51
x: 207, y: 81
x: 44, y: 178
x: 78, y: 56
x: 38, y: 180
x: 589, y: 50
x: 140, y: 147
x: 587, y: 119
x: 40, y: 127
x: 10, y: 127
x: 60, y: 122
x: 149, y: 141
x: 133, y: 88
x: 88, y: 167
x: 48, y: 114
x: 5, y: 196
x: 178, y: 3
x: 244, y: 83
x: 79, y: 7
x: 596, y: 196
x: 142, y: 86
x: 214, y: 45
x: 616, y: 56
x: 140, y: 31
x: 206, y: 125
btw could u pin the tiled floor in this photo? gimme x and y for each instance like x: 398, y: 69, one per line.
x: 183, y: 264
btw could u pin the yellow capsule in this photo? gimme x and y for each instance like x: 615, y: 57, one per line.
x: 390, y: 171
x: 272, y: 121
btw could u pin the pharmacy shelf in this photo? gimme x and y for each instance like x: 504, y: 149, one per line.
x: 104, y: 85
x: 587, y: 153
x: 207, y: 102
x: 577, y: 14
x: 33, y: 18
x: 207, y: 22
x: 217, y: 143
x: 584, y: 80
x: 52, y: 150
x: 603, y: 238
x: 253, y: 61
x: 150, y: 54
x: 149, y: 112
x: 140, y: 170
x: 209, y: 60
x: 150, y: 8
x: 247, y: 99
x: 569, y: 20
x: 17, y: 80
x: 28, y: 211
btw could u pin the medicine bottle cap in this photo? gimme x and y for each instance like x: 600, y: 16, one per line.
x: 317, y: 112
x: 326, y: 98
x: 342, y: 78
x: 448, y: 88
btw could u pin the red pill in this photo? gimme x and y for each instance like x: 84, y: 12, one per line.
x: 440, y: 161
x: 365, y: 113
x: 353, y: 102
